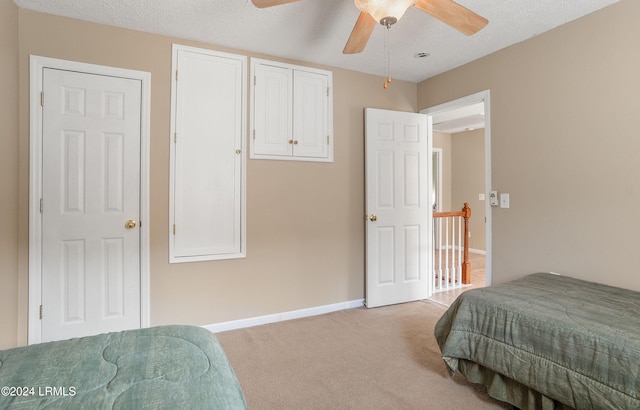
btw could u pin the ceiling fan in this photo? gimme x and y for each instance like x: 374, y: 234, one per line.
x: 388, y: 12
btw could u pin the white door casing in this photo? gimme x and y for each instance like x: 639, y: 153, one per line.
x: 398, y: 210
x: 89, y: 160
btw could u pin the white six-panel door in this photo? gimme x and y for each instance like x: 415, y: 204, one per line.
x: 398, y: 215
x: 91, y: 204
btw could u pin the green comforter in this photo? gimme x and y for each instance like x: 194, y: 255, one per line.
x: 168, y: 367
x: 547, y: 341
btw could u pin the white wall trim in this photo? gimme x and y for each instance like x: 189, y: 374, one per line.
x: 37, y: 65
x: 439, y: 153
x: 280, y: 317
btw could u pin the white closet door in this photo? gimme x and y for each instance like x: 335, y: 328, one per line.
x: 208, y: 166
x: 272, y: 112
x: 91, y: 188
x: 310, y: 122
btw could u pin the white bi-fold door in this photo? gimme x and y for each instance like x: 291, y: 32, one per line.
x: 398, y: 212
x: 91, y: 184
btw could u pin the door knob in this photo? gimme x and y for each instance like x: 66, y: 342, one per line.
x: 130, y: 224
x: 373, y: 218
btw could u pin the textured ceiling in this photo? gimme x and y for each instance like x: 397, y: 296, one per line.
x: 316, y: 30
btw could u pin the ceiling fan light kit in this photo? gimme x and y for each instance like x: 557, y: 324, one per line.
x: 385, y: 12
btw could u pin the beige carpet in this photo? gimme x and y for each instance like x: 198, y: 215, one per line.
x: 383, y: 358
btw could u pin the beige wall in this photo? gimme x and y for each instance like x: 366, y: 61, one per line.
x: 564, y: 145
x: 305, y: 232
x: 468, y: 181
x: 8, y: 173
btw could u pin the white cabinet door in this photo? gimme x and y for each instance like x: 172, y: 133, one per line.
x: 273, y: 110
x: 310, y: 116
x: 207, y: 173
x: 398, y: 227
x: 292, y: 112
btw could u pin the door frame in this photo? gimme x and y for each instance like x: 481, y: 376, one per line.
x: 37, y: 64
x: 485, y: 98
x: 438, y: 153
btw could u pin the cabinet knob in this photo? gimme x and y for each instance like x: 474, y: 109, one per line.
x: 290, y: 141
x: 373, y: 218
x: 295, y: 142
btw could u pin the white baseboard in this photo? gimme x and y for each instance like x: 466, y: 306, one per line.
x: 279, y: 317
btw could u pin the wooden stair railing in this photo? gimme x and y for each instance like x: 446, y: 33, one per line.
x: 465, y: 214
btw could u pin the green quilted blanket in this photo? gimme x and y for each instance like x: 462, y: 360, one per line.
x: 167, y: 367
x: 577, y: 343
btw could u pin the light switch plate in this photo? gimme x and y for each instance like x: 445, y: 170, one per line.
x: 504, y: 200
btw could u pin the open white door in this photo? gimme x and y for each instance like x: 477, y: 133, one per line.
x: 398, y: 226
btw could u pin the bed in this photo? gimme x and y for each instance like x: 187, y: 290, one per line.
x: 547, y: 341
x: 165, y: 367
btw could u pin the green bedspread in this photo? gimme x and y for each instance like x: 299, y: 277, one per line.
x: 569, y: 342
x: 167, y: 367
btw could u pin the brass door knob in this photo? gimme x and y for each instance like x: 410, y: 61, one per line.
x: 373, y: 218
x: 130, y: 224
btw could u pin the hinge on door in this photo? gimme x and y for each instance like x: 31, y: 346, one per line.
x: 255, y: 80
x: 41, y: 205
x: 327, y: 140
x: 175, y: 137
x: 40, y: 311
x: 176, y: 75
x: 327, y: 91
x: 254, y: 134
x: 42, y: 98
x: 174, y: 229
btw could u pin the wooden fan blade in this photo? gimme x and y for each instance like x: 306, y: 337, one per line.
x: 261, y: 4
x: 454, y: 15
x: 360, y: 34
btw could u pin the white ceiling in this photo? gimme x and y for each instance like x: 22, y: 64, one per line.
x: 316, y: 30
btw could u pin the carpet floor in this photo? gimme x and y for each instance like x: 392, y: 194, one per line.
x: 382, y: 358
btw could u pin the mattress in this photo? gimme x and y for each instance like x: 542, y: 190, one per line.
x: 166, y: 367
x: 573, y: 343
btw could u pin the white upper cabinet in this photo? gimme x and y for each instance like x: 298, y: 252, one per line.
x: 291, y: 112
x: 207, y: 181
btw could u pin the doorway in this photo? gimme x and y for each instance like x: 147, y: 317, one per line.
x: 89, y: 150
x: 464, y: 114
